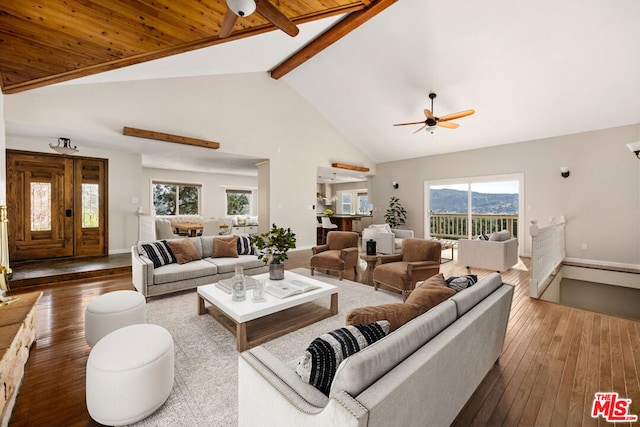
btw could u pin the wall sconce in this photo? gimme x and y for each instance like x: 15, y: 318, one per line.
x: 564, y: 171
x: 634, y: 147
x: 395, y: 185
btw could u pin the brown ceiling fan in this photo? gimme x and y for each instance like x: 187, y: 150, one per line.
x: 241, y: 8
x: 432, y: 120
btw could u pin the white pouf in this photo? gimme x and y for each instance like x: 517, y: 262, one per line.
x: 112, y: 311
x: 129, y: 374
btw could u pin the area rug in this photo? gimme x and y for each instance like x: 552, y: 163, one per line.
x: 205, y: 390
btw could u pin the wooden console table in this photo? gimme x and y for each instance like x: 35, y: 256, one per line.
x: 17, y: 333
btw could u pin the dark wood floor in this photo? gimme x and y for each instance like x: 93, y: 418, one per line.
x: 555, y: 358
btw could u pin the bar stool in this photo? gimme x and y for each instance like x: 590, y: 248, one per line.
x: 327, y: 226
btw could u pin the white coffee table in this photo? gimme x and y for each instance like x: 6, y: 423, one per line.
x: 254, y: 323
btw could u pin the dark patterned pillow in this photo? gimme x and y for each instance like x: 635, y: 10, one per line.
x: 459, y: 283
x: 323, y: 356
x: 159, y: 253
x: 244, y: 245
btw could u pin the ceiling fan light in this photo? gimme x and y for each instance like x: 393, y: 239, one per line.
x: 242, y: 7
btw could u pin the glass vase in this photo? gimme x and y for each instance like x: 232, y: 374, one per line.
x: 238, y: 289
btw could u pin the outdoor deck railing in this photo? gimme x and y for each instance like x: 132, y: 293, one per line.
x: 455, y: 226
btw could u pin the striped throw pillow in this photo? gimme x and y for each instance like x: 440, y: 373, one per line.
x: 244, y: 245
x: 323, y: 356
x: 159, y: 253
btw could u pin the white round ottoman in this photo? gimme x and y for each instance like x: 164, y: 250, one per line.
x: 129, y: 374
x: 112, y: 311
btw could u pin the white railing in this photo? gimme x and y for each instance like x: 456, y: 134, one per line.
x: 547, y: 254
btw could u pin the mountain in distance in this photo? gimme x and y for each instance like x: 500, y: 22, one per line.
x: 455, y: 201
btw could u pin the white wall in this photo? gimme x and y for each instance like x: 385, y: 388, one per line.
x: 213, y: 187
x: 600, y: 199
x: 124, y: 169
x: 249, y: 114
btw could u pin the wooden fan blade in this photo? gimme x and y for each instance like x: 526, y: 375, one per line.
x: 227, y: 24
x: 422, y: 127
x: 428, y: 114
x: 277, y: 18
x: 456, y: 115
x: 449, y: 125
x: 410, y: 123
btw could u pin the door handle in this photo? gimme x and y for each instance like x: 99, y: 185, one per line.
x: 68, y: 213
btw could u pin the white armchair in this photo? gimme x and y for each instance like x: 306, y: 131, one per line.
x: 388, y: 241
x: 497, y: 254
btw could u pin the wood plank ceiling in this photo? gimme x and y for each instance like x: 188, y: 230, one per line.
x: 49, y: 41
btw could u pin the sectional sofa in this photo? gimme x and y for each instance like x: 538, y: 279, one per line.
x: 421, y: 374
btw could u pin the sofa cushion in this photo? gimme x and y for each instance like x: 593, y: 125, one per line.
x: 438, y: 280
x: 226, y: 247
x: 500, y: 236
x: 228, y: 265
x: 428, y: 296
x: 325, y: 353
x: 362, y: 369
x: 396, y: 313
x: 175, y: 272
x: 244, y: 245
x: 465, y: 300
x: 183, y: 250
x: 207, y: 245
x: 159, y: 253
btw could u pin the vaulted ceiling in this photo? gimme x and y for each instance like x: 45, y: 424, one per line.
x: 49, y: 41
x: 530, y: 70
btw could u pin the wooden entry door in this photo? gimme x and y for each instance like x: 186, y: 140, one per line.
x: 56, y: 205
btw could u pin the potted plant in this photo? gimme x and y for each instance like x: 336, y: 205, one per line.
x: 272, y: 247
x: 395, y: 214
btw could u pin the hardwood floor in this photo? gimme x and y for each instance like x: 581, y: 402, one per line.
x: 555, y: 358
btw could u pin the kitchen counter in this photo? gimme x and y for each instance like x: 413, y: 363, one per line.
x: 344, y: 222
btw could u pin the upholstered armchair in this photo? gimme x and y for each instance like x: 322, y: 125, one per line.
x: 419, y: 260
x: 338, y: 254
x: 388, y: 241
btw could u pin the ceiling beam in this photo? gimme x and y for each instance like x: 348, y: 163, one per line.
x: 167, y: 137
x: 350, y: 167
x: 329, y: 37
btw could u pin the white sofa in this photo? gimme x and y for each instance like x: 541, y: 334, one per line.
x: 388, y: 241
x: 497, y: 253
x: 422, y: 374
x: 174, y: 277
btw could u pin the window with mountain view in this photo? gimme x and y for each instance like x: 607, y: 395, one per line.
x: 468, y: 209
x: 176, y: 199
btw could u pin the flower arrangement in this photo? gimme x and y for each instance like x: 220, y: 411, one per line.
x: 328, y: 212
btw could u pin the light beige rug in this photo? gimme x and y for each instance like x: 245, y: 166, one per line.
x: 205, y: 390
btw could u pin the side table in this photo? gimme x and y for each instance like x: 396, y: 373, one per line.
x: 371, y: 260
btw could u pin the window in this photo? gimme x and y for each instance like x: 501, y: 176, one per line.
x: 238, y: 202
x: 40, y: 206
x: 176, y: 199
x: 90, y: 211
x: 346, y: 202
x: 364, y: 207
x: 469, y: 207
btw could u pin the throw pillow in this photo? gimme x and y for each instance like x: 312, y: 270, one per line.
x: 428, y: 296
x: 183, y: 250
x: 225, y: 247
x: 325, y: 353
x: 458, y: 283
x: 159, y: 253
x: 397, y: 314
x: 500, y: 236
x: 437, y: 280
x: 244, y: 245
